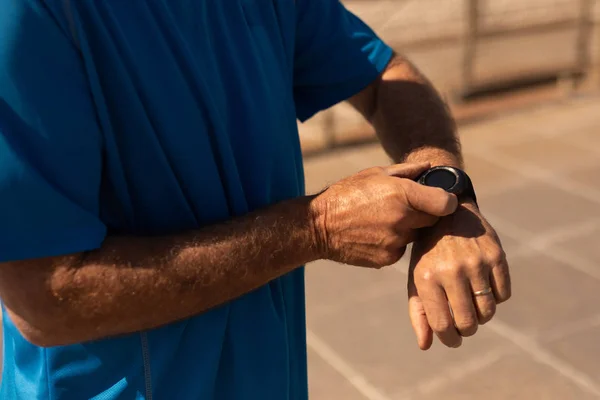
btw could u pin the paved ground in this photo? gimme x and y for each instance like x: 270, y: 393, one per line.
x: 538, y: 177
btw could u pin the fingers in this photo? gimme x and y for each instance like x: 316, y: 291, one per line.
x: 474, y: 300
x: 438, y: 315
x: 408, y: 170
x: 430, y: 200
x: 418, y: 318
x: 485, y: 302
x: 500, y: 281
x: 460, y: 298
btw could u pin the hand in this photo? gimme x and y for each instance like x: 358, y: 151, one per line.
x: 450, y: 262
x: 368, y: 219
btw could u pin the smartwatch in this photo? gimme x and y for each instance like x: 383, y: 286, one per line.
x: 451, y: 179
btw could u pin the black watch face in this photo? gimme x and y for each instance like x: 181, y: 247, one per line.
x: 441, y: 178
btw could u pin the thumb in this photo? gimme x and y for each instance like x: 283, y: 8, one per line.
x: 408, y: 170
x: 430, y: 200
x: 418, y: 319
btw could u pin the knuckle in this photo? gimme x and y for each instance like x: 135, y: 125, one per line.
x: 468, y: 330
x: 386, y: 258
x: 390, y: 242
x: 467, y: 325
x: 453, y: 272
x: 472, y: 263
x: 453, y: 343
x: 497, y: 256
x: 502, y: 297
x: 487, y: 313
x: 425, y: 275
x: 442, y: 325
x: 398, y: 217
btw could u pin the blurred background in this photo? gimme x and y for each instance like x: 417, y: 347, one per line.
x: 522, y: 78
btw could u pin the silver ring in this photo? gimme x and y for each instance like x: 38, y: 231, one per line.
x: 483, y: 292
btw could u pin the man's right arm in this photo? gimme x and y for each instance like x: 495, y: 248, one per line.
x: 110, y: 291
x: 365, y: 220
x: 50, y: 173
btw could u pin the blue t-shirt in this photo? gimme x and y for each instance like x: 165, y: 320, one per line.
x: 147, y: 117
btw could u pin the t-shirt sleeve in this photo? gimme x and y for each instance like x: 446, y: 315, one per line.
x: 336, y: 55
x: 50, y: 142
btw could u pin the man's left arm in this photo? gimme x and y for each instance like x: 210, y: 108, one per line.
x: 412, y: 121
x: 459, y: 259
x: 337, y: 55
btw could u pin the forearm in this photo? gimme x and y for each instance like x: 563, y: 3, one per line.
x: 411, y: 120
x: 138, y: 283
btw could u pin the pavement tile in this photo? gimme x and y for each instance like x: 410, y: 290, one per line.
x: 570, y: 120
x: 586, y: 137
x: 514, y: 377
x: 563, y: 120
x: 537, y: 207
x: 362, y: 314
x: 589, y: 175
x: 581, y: 349
x: 547, y: 294
x: 376, y: 338
x: 585, y: 246
x: 510, y: 246
x: 550, y: 153
x: 497, y: 131
x: 325, y: 383
x: 488, y: 177
x: 331, y: 287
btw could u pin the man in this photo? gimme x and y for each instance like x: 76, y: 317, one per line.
x: 152, y: 207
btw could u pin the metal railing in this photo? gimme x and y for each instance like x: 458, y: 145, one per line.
x: 477, y: 27
x: 474, y: 33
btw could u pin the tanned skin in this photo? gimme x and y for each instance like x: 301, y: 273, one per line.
x: 462, y: 254
x: 364, y: 220
x: 91, y: 295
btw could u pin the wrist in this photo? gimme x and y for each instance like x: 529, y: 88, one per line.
x: 435, y: 156
x: 452, y: 180
x: 316, y: 227
x: 317, y: 211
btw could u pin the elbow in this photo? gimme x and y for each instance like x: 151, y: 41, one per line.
x: 33, y: 294
x: 39, y: 338
x: 47, y: 323
x: 50, y: 322
x: 37, y: 332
